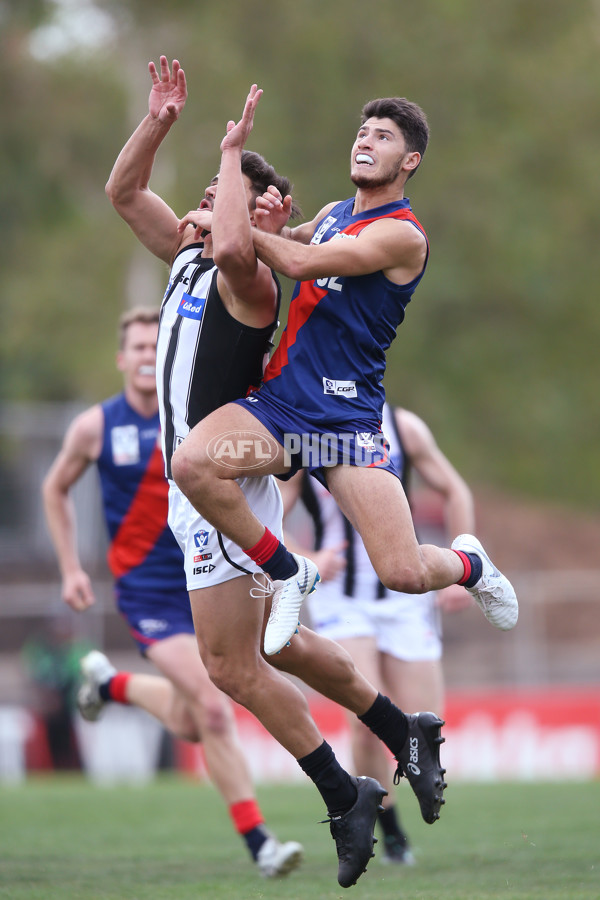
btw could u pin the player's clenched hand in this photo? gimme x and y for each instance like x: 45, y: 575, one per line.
x: 77, y: 591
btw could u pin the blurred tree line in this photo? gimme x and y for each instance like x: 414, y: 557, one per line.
x: 499, y: 351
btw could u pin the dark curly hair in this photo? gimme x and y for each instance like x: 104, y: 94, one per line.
x: 261, y: 175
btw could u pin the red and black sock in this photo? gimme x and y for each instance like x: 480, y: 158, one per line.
x: 473, y: 568
x: 116, y: 688
x: 273, y: 557
x: 249, y: 822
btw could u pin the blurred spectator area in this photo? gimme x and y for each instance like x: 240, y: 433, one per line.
x: 557, y: 640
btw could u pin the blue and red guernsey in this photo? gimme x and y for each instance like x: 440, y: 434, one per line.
x: 143, y: 553
x: 330, y: 361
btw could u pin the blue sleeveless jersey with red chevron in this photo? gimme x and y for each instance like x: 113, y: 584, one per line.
x: 330, y: 361
x: 143, y: 553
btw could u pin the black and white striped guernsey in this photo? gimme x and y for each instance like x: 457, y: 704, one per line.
x: 204, y: 357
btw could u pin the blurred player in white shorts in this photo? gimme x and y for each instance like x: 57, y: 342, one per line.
x: 394, y: 639
x: 405, y: 626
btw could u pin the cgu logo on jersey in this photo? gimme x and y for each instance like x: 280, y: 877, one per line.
x: 191, y: 307
x: 339, y: 388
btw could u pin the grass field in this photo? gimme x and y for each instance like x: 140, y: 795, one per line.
x: 64, y: 838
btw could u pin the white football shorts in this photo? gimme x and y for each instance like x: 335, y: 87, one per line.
x: 406, y: 626
x: 209, y: 557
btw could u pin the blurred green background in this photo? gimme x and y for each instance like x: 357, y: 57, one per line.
x: 499, y: 352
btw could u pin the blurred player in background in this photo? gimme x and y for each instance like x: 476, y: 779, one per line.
x: 121, y: 437
x: 394, y: 638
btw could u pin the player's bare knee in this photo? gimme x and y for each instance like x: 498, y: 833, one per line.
x: 189, y: 468
x: 188, y: 733
x: 217, y: 716
x: 405, y: 579
x: 227, y: 677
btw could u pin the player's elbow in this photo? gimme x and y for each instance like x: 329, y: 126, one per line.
x: 228, y: 255
x: 121, y: 196
x: 48, y: 489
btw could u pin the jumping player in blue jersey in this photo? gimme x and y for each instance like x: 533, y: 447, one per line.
x: 217, y: 318
x: 395, y: 639
x: 357, y: 265
x: 121, y: 437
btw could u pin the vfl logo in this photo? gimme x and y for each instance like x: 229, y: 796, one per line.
x: 320, y: 232
x: 191, y: 307
x: 201, y: 539
x: 413, y: 756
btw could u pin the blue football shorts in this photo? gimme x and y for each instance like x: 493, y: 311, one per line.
x: 317, y: 447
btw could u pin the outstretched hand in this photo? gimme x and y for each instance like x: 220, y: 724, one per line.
x: 168, y: 93
x: 237, y: 134
x: 272, y: 211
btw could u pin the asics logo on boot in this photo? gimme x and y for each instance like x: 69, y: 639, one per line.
x: 413, y: 756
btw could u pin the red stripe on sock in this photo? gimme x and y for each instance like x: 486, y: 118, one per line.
x: 264, y: 549
x: 246, y: 815
x: 466, y: 563
x: 118, y: 687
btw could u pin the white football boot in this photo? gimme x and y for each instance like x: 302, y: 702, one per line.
x: 97, y: 669
x: 493, y: 592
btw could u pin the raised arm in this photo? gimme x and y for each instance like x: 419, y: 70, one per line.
x: 151, y: 219
x: 245, y: 284
x: 81, y: 447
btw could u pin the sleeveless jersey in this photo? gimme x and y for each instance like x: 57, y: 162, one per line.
x: 331, y: 527
x: 330, y: 362
x: 204, y: 358
x: 143, y: 554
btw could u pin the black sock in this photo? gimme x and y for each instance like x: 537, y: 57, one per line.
x: 388, y: 722
x: 281, y: 565
x: 104, y: 691
x: 333, y: 782
x: 390, y: 825
x: 476, y: 569
x: 255, y: 838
